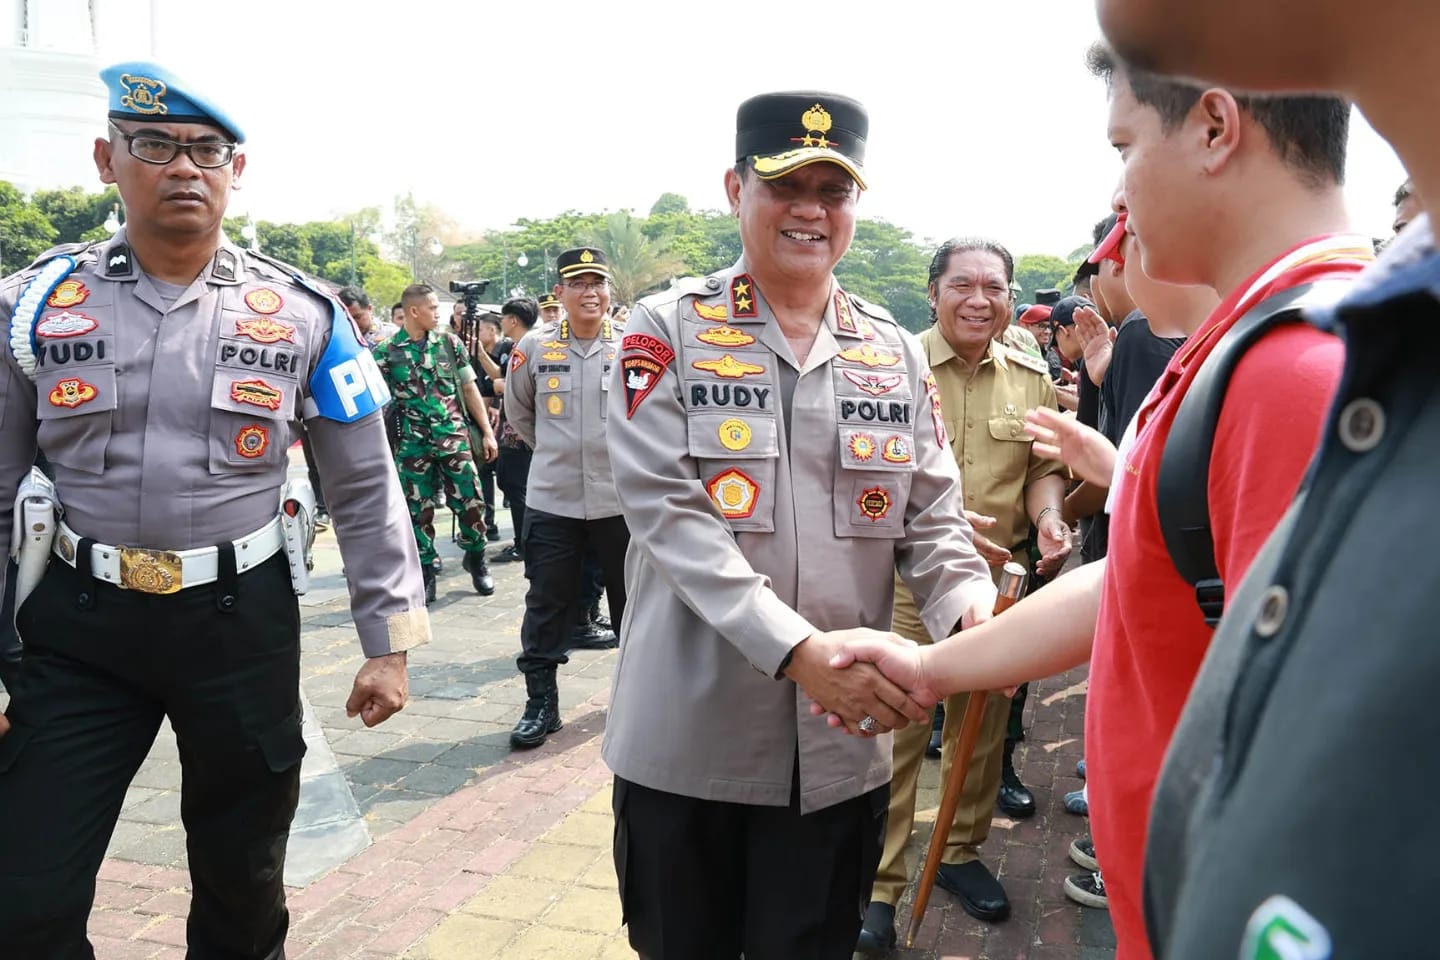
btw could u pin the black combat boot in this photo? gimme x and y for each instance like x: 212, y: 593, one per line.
x: 427, y: 573
x: 542, y: 711
x: 480, y: 577
x: 1014, y: 798
x: 595, y: 617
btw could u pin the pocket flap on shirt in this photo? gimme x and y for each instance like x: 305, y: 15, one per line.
x: 728, y: 436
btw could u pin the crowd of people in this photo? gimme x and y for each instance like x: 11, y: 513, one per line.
x: 796, y: 512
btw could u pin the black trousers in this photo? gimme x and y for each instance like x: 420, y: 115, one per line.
x: 512, y: 474
x: 705, y: 880
x: 9, y: 639
x: 102, y: 667
x: 592, y: 580
x: 554, y: 552
x: 487, y: 489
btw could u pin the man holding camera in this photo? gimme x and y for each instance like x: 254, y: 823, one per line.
x: 429, y: 374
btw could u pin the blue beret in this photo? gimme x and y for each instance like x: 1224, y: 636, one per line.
x: 140, y: 90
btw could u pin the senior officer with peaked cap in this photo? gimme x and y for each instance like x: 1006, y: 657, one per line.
x: 780, y: 453
x: 160, y: 373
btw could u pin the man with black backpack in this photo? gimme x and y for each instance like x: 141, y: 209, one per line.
x: 1244, y: 196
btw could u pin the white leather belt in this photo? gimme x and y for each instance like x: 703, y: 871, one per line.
x: 167, y: 571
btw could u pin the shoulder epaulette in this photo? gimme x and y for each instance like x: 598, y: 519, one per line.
x: 872, y: 310
x: 1022, y: 359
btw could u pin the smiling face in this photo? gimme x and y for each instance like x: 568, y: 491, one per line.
x: 585, y: 297
x: 177, y: 197
x: 972, y: 301
x: 797, y: 227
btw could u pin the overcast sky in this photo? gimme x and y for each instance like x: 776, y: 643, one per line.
x: 983, y: 118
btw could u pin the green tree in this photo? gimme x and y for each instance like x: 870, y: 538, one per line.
x: 76, y: 213
x: 25, y: 231
x: 670, y: 203
x: 1039, y: 271
x: 638, y: 264
x: 886, y: 265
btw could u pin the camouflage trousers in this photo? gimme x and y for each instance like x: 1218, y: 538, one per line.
x: 439, y: 473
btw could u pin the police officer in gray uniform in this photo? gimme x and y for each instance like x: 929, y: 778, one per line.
x: 557, y: 398
x: 161, y: 373
x: 780, y: 451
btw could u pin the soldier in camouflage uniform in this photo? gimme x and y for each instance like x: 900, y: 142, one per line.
x: 429, y: 374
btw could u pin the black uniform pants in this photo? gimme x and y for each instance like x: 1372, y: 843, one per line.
x: 554, y: 552
x: 706, y: 880
x: 102, y: 667
x: 512, y: 474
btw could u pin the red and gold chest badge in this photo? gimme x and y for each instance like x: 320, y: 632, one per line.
x: 734, y: 494
x: 896, y: 449
x: 937, y: 413
x: 264, y: 300
x: 252, y: 441
x: 71, y: 392
x: 265, y: 330
x: 713, y: 312
x: 742, y: 297
x: 874, y: 503
x: 64, y: 324
x: 725, y: 336
x: 69, y: 293
x: 257, y: 393
x: 862, y: 447
x: 729, y: 368
x: 869, y: 356
x: 517, y: 360
x: 874, y: 384
x: 643, y: 359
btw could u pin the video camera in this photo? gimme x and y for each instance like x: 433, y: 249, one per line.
x: 470, y: 292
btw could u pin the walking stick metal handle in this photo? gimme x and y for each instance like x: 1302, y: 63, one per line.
x: 1012, y: 584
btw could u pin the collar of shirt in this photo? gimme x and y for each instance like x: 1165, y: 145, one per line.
x: 1410, y: 265
x: 938, y: 351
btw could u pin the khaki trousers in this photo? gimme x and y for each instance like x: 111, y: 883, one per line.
x: 977, y: 802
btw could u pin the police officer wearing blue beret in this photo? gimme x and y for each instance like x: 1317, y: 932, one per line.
x: 162, y: 373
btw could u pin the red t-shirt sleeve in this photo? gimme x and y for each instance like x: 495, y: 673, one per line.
x: 1268, y: 432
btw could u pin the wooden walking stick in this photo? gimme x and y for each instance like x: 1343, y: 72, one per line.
x: 1012, y: 584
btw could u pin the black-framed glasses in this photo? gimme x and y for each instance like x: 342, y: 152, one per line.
x: 149, y: 148
x: 582, y: 286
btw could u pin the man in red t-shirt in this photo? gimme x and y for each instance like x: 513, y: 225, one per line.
x: 1243, y: 196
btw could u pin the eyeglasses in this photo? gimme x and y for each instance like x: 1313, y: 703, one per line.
x: 585, y: 286
x: 206, y: 154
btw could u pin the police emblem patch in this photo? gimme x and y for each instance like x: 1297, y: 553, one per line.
x: 873, y: 383
x: 71, y: 392
x: 264, y: 300
x: 252, y: 441
x: 862, y: 446
x: 729, y: 368
x: 725, y: 336
x: 69, y: 293
x: 734, y: 494
x: 874, y: 503
x: 552, y: 383
x: 869, y: 356
x: 65, y: 324
x: 734, y: 434
x: 712, y: 311
x: 554, y: 405
x: 517, y: 360
x: 265, y: 330
x: 257, y: 393
x: 143, y: 94
x: 896, y: 449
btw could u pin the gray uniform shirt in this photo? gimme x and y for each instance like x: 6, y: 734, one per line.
x: 557, y: 396
x: 751, y: 530
x: 167, y: 421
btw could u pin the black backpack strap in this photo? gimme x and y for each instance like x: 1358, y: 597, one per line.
x: 1182, y: 489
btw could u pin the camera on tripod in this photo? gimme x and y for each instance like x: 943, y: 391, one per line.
x: 470, y: 292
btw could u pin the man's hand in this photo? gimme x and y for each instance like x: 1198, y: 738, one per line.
x: 1081, y: 448
x: 990, y: 551
x: 1053, y: 538
x: 381, y: 689
x: 1068, y: 396
x: 901, y: 664
x: 1098, y: 340
x: 490, y: 448
x: 854, y: 694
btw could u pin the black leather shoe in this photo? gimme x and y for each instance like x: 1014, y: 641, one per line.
x: 937, y: 726
x: 542, y: 712
x: 480, y: 579
x: 600, y: 621
x: 492, y: 533
x: 976, y: 888
x: 877, y: 936
x: 587, y: 636
x: 1014, y: 799
x: 510, y: 554
x: 428, y: 575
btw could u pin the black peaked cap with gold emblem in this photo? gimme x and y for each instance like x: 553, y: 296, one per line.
x: 781, y: 132
x: 574, y: 262
x: 548, y: 300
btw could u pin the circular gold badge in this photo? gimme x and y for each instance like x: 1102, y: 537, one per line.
x: 735, y: 434
x: 555, y: 405
x: 553, y: 382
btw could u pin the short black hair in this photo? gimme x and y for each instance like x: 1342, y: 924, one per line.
x: 416, y: 291
x: 396, y: 306
x: 955, y: 245
x: 524, y: 309
x: 1402, y: 193
x: 1310, y: 133
x: 490, y: 317
x: 350, y: 296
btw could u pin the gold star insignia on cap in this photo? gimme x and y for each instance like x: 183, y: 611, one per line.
x: 817, y: 124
